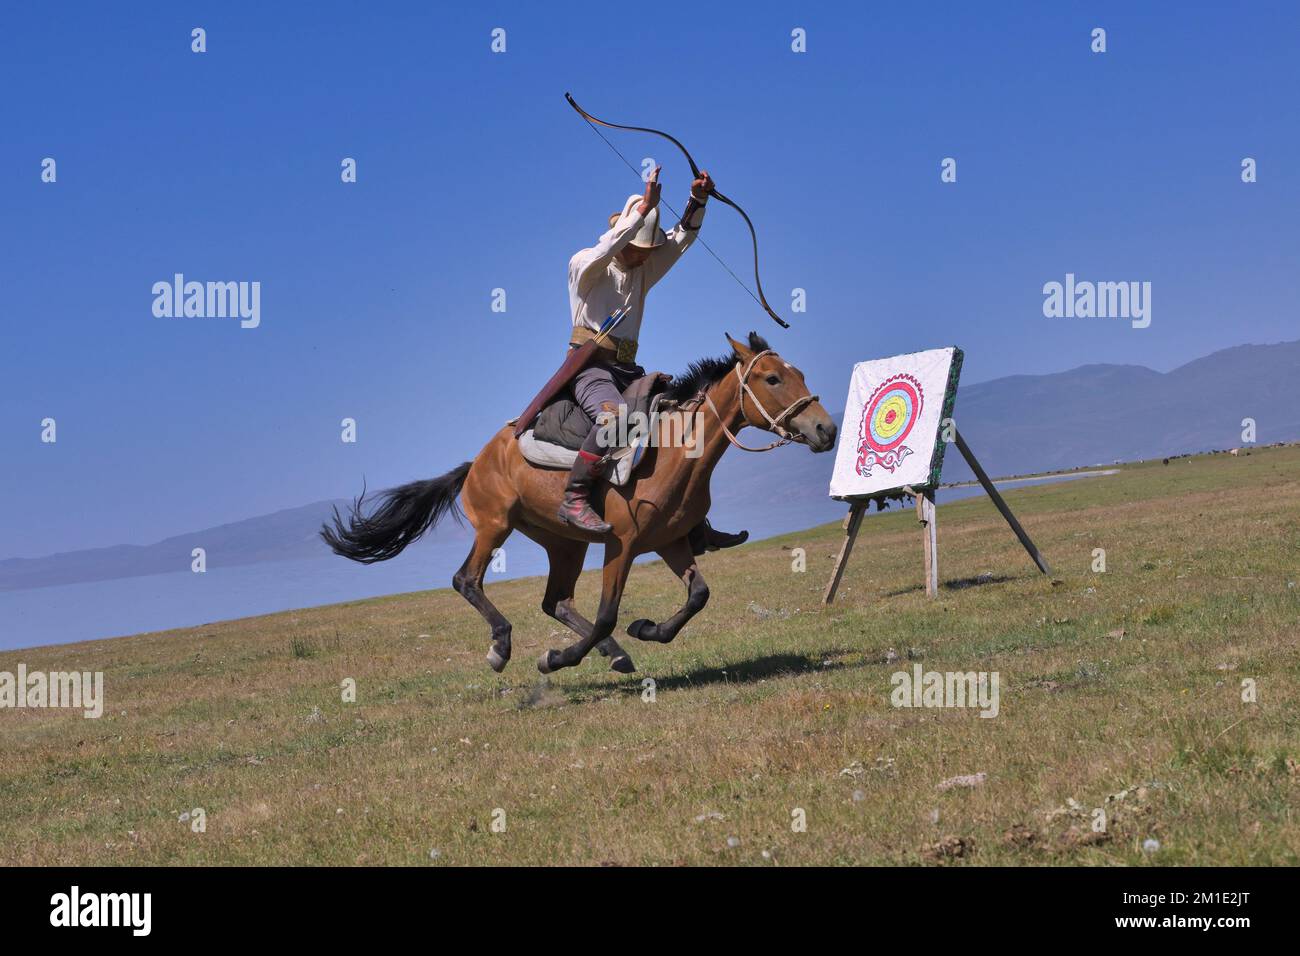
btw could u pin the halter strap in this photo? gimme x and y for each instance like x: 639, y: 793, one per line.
x: 777, y: 424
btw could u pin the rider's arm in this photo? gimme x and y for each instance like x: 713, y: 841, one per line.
x: 683, y: 234
x: 588, y: 265
x: 680, y: 238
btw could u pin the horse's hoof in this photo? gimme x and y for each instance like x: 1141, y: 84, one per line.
x: 496, y: 661
x: 623, y: 664
x: 636, y: 627
x: 546, y: 663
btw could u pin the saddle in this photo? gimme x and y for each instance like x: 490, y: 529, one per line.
x: 562, y: 426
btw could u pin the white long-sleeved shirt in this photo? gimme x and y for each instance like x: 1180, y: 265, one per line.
x: 598, y: 284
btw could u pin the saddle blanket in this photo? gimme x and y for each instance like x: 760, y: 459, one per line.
x: 624, y: 460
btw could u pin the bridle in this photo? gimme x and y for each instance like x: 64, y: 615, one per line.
x: 775, y: 424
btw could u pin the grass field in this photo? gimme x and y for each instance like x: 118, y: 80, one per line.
x: 1119, y: 691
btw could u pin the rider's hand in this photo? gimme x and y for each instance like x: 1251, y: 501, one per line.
x: 702, y: 187
x: 652, y: 188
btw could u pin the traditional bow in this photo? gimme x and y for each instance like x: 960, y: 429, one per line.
x: 760, y: 298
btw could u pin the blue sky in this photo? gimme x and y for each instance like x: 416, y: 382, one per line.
x: 474, y: 174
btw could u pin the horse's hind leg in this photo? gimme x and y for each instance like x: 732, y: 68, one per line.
x: 566, y: 565
x: 679, y: 556
x: 468, y: 582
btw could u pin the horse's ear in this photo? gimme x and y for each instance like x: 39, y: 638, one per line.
x: 741, y: 350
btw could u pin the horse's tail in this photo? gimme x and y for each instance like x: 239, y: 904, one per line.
x: 403, y: 515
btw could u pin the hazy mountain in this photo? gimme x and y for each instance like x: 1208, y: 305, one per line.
x: 1104, y: 413
x: 1017, y: 425
x: 283, y: 536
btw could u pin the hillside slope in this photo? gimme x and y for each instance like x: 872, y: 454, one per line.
x: 1119, y: 691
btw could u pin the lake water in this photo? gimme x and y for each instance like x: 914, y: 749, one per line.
x: 77, y: 612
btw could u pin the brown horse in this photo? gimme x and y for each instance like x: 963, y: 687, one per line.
x: 501, y: 491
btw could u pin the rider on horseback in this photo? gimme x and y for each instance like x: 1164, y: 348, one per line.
x: 613, y: 275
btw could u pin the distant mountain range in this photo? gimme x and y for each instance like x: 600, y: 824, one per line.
x: 282, y: 536
x: 1105, y: 413
x: 287, y: 535
x: 1021, y: 424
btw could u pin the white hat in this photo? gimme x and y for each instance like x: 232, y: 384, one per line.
x: 649, y: 235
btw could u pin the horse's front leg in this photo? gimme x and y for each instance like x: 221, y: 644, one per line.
x: 680, y: 557
x: 618, y: 562
x: 566, y: 565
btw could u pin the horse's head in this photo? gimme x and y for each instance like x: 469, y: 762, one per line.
x: 773, y: 396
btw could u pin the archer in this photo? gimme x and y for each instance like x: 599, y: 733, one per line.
x: 610, y: 277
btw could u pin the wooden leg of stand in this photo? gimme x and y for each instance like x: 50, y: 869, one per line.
x: 930, y: 541
x: 852, y: 522
x: 1000, y: 504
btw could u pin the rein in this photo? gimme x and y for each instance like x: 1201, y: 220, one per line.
x: 776, y: 424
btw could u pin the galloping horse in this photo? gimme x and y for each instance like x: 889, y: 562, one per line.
x: 666, y: 497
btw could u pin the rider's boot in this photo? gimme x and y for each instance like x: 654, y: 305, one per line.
x: 704, y: 537
x: 576, y: 506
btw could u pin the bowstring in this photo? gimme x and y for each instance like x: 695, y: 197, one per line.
x: 698, y: 238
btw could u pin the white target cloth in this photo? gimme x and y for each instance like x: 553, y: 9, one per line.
x: 891, y: 435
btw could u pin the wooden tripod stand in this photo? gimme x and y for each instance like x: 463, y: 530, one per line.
x: 925, y: 515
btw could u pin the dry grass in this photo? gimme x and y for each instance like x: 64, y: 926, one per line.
x: 761, y: 706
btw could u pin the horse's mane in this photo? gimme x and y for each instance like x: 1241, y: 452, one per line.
x: 703, y: 373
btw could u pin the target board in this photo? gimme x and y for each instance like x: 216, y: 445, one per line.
x: 892, y: 437
x: 897, y: 423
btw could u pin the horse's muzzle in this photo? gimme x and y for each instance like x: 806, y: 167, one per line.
x: 826, y: 433
x: 816, y: 428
